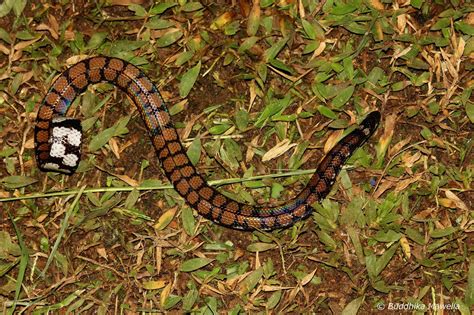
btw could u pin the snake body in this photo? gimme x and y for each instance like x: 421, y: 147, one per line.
x: 57, y: 146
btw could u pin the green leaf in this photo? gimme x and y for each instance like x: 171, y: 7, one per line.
x: 440, y: 24
x: 275, y: 106
x: 470, y: 111
x: 23, y: 261
x: 18, y: 6
x: 155, y: 23
x: 343, y: 8
x: 416, y: 3
x: 281, y: 65
x: 5, y: 8
x: 177, y: 108
x: 190, y: 298
x: 469, y: 296
x: 219, y: 129
x: 169, y: 38
x: 253, y: 22
x: 437, y: 233
x: 250, y: 281
x: 274, y: 299
x: 230, y: 153
x: 464, y: 27
x: 153, y: 284
x: 327, y: 240
x: 343, y: 97
x: 162, y: 7
x: 353, y: 307
x: 385, y: 258
x: 189, y: 222
x: 195, y: 264
x: 188, y: 79
x: 132, y: 199
x: 7, y: 151
x: 415, y: 236
x: 103, y: 137
x: 7, y: 247
x: 14, y: 182
x: 273, y: 51
x: 194, y: 151
x: 354, y: 236
x: 96, y: 40
x: 191, y: 7
x: 4, y: 35
x: 326, y: 112
x: 247, y: 44
x: 309, y: 29
x: 260, y: 247
x: 389, y: 236
x: 138, y: 9
x: 242, y: 119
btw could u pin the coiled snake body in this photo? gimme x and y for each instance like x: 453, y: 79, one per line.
x: 57, y: 145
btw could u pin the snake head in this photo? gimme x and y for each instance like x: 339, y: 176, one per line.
x: 370, y: 123
x: 64, y: 146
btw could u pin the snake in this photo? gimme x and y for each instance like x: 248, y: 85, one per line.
x: 58, y: 146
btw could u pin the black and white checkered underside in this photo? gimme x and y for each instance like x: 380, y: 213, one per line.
x: 65, y: 141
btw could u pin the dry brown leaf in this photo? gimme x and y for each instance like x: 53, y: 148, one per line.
x: 388, y: 128
x: 222, y: 20
x: 333, y: 139
x: 30, y: 143
x: 459, y: 50
x: 127, y: 179
x: 114, y: 147
x: 403, y: 184
x: 271, y: 288
x: 222, y: 289
x: 398, y: 146
x: 102, y: 252
x: 379, y: 30
x: 250, y: 149
x: 405, y: 246
x: 401, y: 23
x: 410, y: 159
x: 41, y: 218
x: 422, y: 215
x: 45, y: 27
x: 154, y: 284
x: 17, y: 54
x: 4, y: 50
x: 455, y: 199
x: 279, y: 149
x: 254, y: 16
x: 4, y: 194
x: 158, y: 258
x: 75, y: 59
x: 126, y: 2
x: 446, y: 127
x: 308, y: 277
x: 253, y: 93
x: 377, y: 4
x: 139, y: 253
x: 318, y: 51
x: 24, y: 44
x: 384, y: 186
x: 470, y: 18
x: 301, y: 9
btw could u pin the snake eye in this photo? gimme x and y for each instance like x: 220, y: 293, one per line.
x: 64, y: 146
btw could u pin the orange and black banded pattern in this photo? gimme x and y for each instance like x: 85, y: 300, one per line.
x: 178, y: 168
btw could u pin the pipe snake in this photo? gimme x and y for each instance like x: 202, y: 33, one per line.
x: 58, y: 140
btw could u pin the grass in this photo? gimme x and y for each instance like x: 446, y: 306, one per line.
x: 259, y: 91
